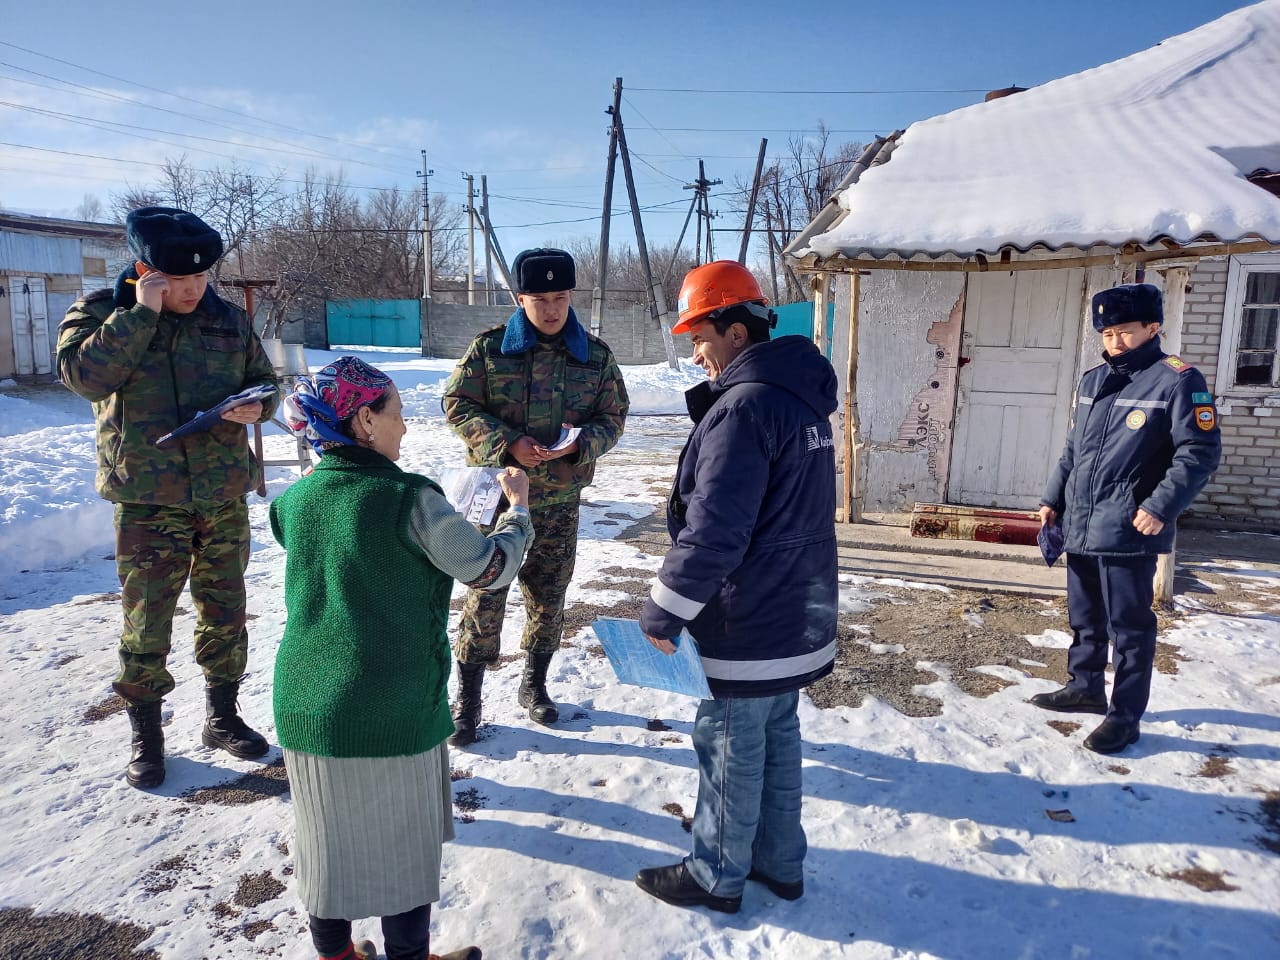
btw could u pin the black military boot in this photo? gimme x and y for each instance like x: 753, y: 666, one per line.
x: 533, y: 689
x: 223, y: 727
x: 466, y: 712
x: 146, y: 761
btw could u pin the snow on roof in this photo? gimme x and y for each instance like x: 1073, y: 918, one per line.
x: 1156, y: 145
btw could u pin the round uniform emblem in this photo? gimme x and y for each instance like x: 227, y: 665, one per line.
x: 551, y: 274
x: 1135, y: 420
x: 195, y: 257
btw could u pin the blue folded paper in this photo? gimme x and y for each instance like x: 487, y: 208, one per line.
x: 1052, y: 541
x: 635, y: 660
x: 207, y: 418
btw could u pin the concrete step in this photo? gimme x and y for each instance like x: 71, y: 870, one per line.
x: 954, y: 570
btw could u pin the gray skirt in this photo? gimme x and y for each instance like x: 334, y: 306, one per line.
x: 369, y: 831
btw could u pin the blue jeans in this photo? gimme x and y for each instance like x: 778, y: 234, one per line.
x: 748, y: 793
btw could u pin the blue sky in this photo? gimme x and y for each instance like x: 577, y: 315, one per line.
x: 514, y: 91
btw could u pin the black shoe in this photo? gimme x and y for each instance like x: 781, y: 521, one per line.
x: 1112, y: 736
x: 1067, y: 700
x: 533, y: 689
x: 787, y: 891
x: 674, y: 885
x: 146, y: 758
x: 466, y: 713
x: 223, y: 727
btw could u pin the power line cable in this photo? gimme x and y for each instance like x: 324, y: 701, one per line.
x: 110, y: 126
x: 178, y: 96
x: 185, y: 116
x: 818, y: 93
x: 649, y: 123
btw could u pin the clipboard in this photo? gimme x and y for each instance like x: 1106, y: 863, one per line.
x: 207, y: 418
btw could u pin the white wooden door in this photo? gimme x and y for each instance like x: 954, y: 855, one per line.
x: 32, y: 351
x: 1018, y: 354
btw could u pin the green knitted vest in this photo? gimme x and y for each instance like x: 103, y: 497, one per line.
x: 362, y: 667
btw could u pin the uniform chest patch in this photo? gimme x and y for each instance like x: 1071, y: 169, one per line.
x: 1136, y: 419
x: 1206, y: 418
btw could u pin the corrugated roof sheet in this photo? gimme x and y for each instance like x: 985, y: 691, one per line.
x: 1157, y: 145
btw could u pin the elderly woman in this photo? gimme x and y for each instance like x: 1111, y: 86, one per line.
x: 361, y: 707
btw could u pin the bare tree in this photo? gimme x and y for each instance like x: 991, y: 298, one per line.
x: 236, y: 202
x: 90, y: 208
x: 308, y: 253
x: 792, y: 191
x: 627, y: 284
x: 317, y: 242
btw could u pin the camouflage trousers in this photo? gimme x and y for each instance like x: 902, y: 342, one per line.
x: 157, y: 549
x: 544, y: 580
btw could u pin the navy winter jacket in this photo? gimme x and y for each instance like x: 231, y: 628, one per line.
x: 752, y: 567
x: 1145, y: 434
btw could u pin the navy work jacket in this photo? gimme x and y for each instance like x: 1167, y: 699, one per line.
x: 752, y: 567
x: 1145, y: 434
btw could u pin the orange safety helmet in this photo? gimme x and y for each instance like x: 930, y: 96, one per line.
x: 714, y: 286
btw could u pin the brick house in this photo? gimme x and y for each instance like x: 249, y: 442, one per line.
x: 961, y: 255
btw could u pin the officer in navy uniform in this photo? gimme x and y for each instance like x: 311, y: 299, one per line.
x: 1143, y: 443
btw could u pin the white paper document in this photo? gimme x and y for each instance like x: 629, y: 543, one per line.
x: 636, y: 661
x: 567, y: 436
x: 473, y: 491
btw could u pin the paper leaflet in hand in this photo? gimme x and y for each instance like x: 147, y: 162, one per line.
x: 1052, y: 541
x: 473, y: 491
x: 636, y: 661
x: 567, y: 436
x: 207, y: 418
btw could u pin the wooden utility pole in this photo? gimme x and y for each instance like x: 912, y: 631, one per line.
x: 602, y: 261
x: 676, y: 252
x: 751, y: 203
x: 657, y: 297
x: 489, y: 293
x: 773, y: 263
x: 492, y: 243
x: 471, y: 239
x: 703, y: 204
x: 424, y: 173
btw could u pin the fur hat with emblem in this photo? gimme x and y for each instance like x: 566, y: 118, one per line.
x: 172, y: 241
x: 1127, y: 303
x: 543, y: 270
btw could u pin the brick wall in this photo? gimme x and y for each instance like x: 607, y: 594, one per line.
x: 1246, y: 488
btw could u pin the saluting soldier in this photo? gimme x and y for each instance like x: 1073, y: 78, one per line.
x: 509, y: 398
x: 1143, y: 443
x: 150, y: 354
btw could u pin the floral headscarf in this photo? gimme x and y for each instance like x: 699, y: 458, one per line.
x: 318, y: 404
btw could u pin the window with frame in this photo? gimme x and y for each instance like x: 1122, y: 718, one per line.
x: 1249, y: 360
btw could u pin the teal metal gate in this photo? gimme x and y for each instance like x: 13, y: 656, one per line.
x: 373, y: 323
x: 797, y: 318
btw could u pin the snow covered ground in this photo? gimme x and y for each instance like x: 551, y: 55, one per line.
x: 929, y: 837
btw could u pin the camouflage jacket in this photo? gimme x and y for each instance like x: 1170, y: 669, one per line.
x: 492, y: 399
x: 147, y: 373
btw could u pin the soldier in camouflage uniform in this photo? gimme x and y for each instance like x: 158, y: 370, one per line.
x: 151, y: 354
x: 511, y: 394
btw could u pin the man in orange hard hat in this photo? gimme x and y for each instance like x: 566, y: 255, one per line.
x: 752, y: 575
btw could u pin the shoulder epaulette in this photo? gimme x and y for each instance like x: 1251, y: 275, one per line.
x: 1177, y: 363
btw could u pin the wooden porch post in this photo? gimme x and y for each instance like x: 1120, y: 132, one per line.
x: 1175, y: 298
x: 852, y: 427
x: 819, y: 284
